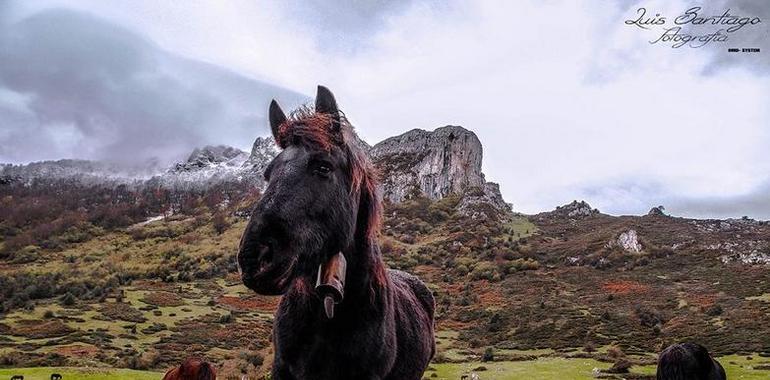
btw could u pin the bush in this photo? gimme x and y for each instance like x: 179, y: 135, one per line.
x: 622, y: 365
x: 616, y: 352
x: 489, y: 355
x: 68, y: 299
x: 483, y: 270
x: 714, y: 310
x: 48, y: 314
x: 227, y: 318
x: 220, y: 223
x: 254, y: 358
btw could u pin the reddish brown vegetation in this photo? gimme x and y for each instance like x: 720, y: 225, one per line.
x: 251, y: 303
x: 625, y: 287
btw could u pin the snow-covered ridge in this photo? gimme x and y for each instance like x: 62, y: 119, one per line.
x: 204, y: 167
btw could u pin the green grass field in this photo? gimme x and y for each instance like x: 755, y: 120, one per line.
x: 44, y: 373
x: 737, y: 367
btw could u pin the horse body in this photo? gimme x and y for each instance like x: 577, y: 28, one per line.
x: 383, y: 339
x: 322, y: 202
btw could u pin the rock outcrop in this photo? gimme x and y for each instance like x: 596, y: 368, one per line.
x: 628, y: 241
x: 210, y: 157
x: 445, y: 161
x: 436, y: 164
x: 657, y: 211
x: 262, y: 152
x: 575, y: 210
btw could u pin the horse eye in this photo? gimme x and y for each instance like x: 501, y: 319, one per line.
x: 322, y: 168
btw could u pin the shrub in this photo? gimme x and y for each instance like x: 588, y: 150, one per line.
x: 253, y: 357
x: 616, y: 352
x: 714, y: 310
x: 227, y: 318
x: 622, y: 365
x: 489, y: 355
x: 68, y: 299
x: 483, y: 270
x: 220, y: 223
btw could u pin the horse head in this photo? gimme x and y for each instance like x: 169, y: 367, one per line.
x: 319, y: 203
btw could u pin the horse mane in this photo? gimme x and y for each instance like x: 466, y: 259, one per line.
x: 323, y: 131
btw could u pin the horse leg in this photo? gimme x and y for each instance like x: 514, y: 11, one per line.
x: 281, y: 372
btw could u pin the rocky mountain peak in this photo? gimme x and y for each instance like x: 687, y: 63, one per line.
x: 262, y: 152
x: 212, y: 155
x: 436, y: 164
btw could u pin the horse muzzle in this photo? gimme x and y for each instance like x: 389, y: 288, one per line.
x: 262, y: 266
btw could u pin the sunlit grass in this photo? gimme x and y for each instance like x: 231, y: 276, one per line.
x: 44, y: 373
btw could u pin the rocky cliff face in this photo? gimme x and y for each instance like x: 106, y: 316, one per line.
x: 262, y: 152
x: 438, y: 163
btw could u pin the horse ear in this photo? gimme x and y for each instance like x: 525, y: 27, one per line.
x: 277, y: 117
x: 324, y: 101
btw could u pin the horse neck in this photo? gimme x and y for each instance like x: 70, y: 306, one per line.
x: 365, y: 284
x: 366, y: 278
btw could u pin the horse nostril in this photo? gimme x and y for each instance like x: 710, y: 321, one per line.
x: 265, y: 253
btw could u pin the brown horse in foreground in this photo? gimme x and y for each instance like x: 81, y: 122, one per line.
x: 313, y: 238
x: 192, y: 369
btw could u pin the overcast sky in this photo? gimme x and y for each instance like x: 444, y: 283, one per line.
x: 569, y: 101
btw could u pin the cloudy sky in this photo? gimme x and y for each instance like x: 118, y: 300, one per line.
x: 569, y: 101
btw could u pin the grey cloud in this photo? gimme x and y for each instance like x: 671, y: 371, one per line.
x: 73, y: 85
x: 755, y: 204
x: 637, y: 196
x: 346, y: 25
x: 750, y: 36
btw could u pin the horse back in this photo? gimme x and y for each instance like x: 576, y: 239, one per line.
x: 406, y: 282
x: 414, y: 308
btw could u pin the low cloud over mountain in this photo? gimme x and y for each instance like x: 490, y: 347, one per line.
x: 72, y: 85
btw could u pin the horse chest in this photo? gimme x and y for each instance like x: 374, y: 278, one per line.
x: 310, y: 349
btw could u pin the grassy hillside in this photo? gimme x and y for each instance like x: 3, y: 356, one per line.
x: 549, y: 293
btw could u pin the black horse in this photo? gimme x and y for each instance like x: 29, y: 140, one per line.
x: 312, y: 237
x: 688, y: 361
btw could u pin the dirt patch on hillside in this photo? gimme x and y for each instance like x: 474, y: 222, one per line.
x: 122, y: 311
x: 251, y: 303
x: 162, y: 299
x: 625, y: 287
x: 35, y: 329
x: 78, y: 351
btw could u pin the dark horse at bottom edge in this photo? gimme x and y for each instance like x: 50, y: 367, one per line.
x: 312, y: 237
x: 688, y: 361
